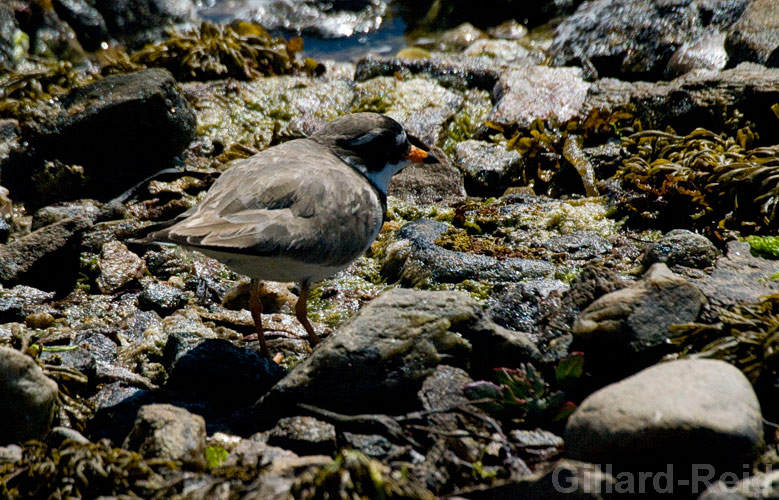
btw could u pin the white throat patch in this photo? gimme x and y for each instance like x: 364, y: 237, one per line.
x: 382, y: 177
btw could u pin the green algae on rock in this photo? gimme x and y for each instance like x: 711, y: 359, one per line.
x: 244, y: 51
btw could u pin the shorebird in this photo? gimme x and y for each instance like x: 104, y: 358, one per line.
x: 302, y: 210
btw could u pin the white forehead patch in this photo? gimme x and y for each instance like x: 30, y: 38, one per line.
x: 401, y: 138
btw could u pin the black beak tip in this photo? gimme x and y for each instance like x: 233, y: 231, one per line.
x: 431, y: 158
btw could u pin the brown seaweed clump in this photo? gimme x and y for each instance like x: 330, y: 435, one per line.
x: 22, y: 90
x: 705, y: 180
x: 210, y: 52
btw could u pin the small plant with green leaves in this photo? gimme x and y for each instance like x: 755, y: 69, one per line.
x: 521, y: 395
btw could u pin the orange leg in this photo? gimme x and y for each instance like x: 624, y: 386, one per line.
x: 302, y: 314
x: 255, y: 306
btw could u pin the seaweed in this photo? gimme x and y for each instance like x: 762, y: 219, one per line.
x: 211, y: 51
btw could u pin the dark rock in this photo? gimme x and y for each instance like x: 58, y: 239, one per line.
x: 80, y: 359
x: 118, y: 267
x: 449, y: 72
x: 761, y: 486
x: 690, y: 100
x: 706, y: 53
x: 382, y: 355
x: 630, y: 39
x: 170, y: 433
x: 129, y: 17
x: 49, y: 36
x: 686, y: 411
x: 56, y: 213
x: 85, y: 20
x: 217, y: 371
x: 342, y: 18
x: 100, y: 347
x: 559, y: 479
x: 414, y: 258
x: 436, y: 184
x: 538, y: 92
x: 739, y: 278
x: 304, y: 436
x: 9, y: 135
x: 46, y: 258
x: 18, y: 302
x: 5, y: 231
x: 9, y: 32
x: 632, y: 325
x: 116, y: 407
x: 121, y: 129
x: 537, y: 445
x: 488, y: 168
x: 755, y: 36
x: 162, y: 298
x: 580, y: 245
x: 29, y: 398
x: 373, y: 445
x: 521, y: 305
x: 681, y: 248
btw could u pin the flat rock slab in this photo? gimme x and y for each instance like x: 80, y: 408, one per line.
x: 755, y: 36
x: 740, y: 278
x: 686, y: 411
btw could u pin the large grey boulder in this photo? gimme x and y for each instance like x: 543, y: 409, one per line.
x: 685, y: 411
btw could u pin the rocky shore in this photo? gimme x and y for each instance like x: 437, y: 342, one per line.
x: 581, y: 299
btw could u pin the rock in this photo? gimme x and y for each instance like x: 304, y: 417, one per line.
x: 9, y: 135
x: 687, y: 412
x: 170, y: 433
x: 448, y: 72
x: 29, y: 398
x: 706, y: 53
x: 681, y: 248
x: 86, y: 21
x: 338, y: 19
x: 537, y: 445
x: 49, y: 36
x: 55, y: 213
x: 81, y: 358
x: 631, y: 39
x: 413, y: 258
x: 755, y: 36
x: 10, y: 37
x: 46, y: 258
x: 217, y: 371
x: 739, y: 278
x: 555, y: 480
x: 162, y: 298
x: 502, y: 50
x: 435, y: 184
x: 688, y: 101
x: 538, y: 92
x: 488, y: 168
x: 304, y: 436
x: 125, y: 18
x: 456, y: 39
x: 373, y: 445
x: 381, y: 356
x: 521, y: 305
x: 633, y: 324
x: 10, y: 454
x: 59, y: 435
x: 580, y: 245
x: 118, y: 267
x: 508, y: 30
x: 758, y: 487
x: 20, y: 301
x: 133, y: 122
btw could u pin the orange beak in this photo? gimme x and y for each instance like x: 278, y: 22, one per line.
x: 417, y: 155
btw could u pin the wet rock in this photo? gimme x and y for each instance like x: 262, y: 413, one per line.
x: 118, y: 267
x: 414, y: 258
x: 49, y: 36
x: 685, y: 411
x: 40, y: 320
x: 681, y: 247
x: 162, y: 298
x: 488, y: 168
x: 304, y: 436
x: 435, y: 184
x: 632, y: 324
x: 20, y: 301
x: 758, y: 487
x: 80, y: 358
x: 86, y: 21
x: 579, y: 245
x: 739, y: 278
x: 508, y: 30
x: 503, y: 50
x: 116, y: 407
x: 29, y: 398
x: 706, y: 53
x: 688, y: 101
x: 628, y: 39
x: 46, y: 258
x: 9, y: 136
x: 448, y: 72
x: 521, y: 305
x: 342, y: 18
x: 170, y: 433
x: 555, y: 480
x: 538, y: 92
x: 5, y: 231
x: 381, y: 356
x: 125, y: 18
x: 755, y: 36
x: 455, y: 39
x: 55, y: 213
x: 121, y: 129
x: 9, y: 36
x: 215, y: 370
